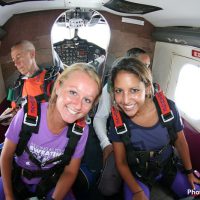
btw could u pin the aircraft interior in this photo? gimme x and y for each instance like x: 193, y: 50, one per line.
x: 100, y: 31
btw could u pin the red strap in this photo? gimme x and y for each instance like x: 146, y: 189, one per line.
x: 13, y: 104
x: 81, y: 122
x: 49, y: 86
x: 163, y: 104
x: 116, y: 117
x: 32, y: 107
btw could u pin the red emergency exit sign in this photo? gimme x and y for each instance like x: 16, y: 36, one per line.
x: 196, y: 53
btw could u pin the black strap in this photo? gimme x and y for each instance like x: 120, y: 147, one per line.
x: 30, y: 123
x: 17, y: 90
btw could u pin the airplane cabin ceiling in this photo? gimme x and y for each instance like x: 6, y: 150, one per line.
x: 164, y: 13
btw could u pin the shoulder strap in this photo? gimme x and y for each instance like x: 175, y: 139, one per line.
x: 30, y: 123
x: 50, y: 75
x: 121, y: 128
x: 163, y: 107
x: 166, y: 115
x: 74, y: 133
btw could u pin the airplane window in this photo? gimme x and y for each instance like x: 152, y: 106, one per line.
x: 187, y: 95
x: 81, y: 35
x: 98, y: 34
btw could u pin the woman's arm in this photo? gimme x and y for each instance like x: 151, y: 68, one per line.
x: 125, y: 172
x: 67, y: 179
x: 183, y: 150
x: 7, y: 156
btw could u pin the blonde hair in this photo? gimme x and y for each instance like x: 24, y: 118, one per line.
x: 84, y: 67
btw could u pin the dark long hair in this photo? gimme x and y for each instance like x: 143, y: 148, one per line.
x: 133, y: 66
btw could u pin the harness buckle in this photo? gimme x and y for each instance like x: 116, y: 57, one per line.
x: 30, y: 123
x: 22, y: 172
x: 121, y: 129
x: 77, y: 129
x: 26, y: 174
x: 167, y: 117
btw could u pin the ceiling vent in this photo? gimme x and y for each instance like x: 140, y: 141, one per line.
x: 178, y: 35
x: 130, y: 8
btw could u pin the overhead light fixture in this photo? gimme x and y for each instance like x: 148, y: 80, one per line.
x: 133, y: 21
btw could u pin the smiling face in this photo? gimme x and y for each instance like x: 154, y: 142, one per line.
x: 129, y: 92
x: 76, y: 96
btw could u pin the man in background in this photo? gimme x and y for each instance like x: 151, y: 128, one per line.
x: 33, y: 79
x: 104, y: 107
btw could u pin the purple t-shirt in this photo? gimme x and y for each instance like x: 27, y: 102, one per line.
x: 45, y: 145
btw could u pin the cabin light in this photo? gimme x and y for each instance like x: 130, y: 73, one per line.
x: 133, y: 21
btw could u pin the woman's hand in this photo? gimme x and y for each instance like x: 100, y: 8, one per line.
x: 192, y: 179
x: 140, y: 196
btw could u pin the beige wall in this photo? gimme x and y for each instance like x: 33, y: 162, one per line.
x: 125, y: 36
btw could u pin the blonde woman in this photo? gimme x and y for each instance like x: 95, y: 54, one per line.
x: 75, y: 92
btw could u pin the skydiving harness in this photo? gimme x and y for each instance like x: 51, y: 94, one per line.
x: 146, y: 165
x: 49, y: 177
x: 50, y: 75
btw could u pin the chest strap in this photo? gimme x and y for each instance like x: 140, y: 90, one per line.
x: 74, y: 134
